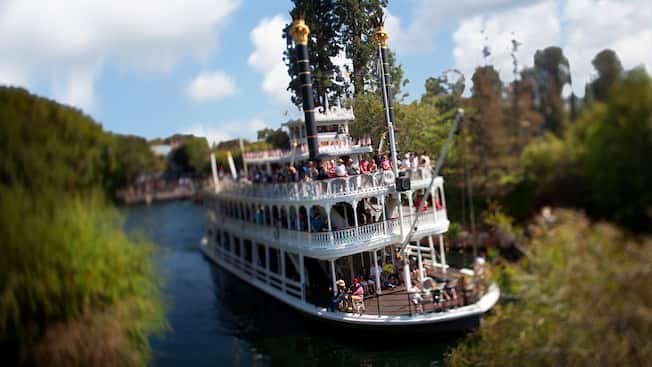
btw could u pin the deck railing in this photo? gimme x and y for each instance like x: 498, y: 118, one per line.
x: 379, y: 183
x: 384, y: 231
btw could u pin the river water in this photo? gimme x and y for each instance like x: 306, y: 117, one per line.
x: 216, y: 321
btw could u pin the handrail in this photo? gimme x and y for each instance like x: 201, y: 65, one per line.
x: 337, y: 238
x: 328, y: 188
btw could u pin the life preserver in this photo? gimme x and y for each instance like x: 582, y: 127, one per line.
x: 428, y: 284
x: 388, y: 177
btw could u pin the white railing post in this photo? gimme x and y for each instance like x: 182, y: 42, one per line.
x: 442, y: 254
x: 282, y: 255
x: 377, y: 272
x: 302, y: 278
x: 330, y: 226
x: 432, y: 250
x: 332, y: 261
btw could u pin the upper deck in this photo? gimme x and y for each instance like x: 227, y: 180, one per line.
x: 328, y: 190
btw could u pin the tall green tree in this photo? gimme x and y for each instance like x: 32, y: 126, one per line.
x: 489, y: 137
x: 553, y: 72
x: 596, y: 164
x: 277, y: 138
x: 192, y: 156
x: 528, y: 121
x: 356, y: 26
x: 76, y: 290
x: 610, y: 71
x: 323, y: 46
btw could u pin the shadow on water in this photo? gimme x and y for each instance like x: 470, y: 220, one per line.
x: 218, y: 320
x: 280, y: 335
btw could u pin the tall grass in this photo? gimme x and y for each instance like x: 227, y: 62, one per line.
x: 74, y: 288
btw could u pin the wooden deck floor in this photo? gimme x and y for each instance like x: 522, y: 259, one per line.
x: 391, y: 303
x: 395, y: 302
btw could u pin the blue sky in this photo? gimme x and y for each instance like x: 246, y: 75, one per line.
x: 213, y: 67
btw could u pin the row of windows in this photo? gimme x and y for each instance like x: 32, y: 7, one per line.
x: 252, y: 253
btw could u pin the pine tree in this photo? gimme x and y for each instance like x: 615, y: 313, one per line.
x: 356, y: 24
x: 323, y: 45
x: 553, y: 72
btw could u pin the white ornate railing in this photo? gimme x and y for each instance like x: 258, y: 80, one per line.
x: 386, y: 231
x: 363, y: 184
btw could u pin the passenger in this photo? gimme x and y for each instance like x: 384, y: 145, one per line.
x: 414, y: 161
x: 340, y: 169
x: 292, y: 174
x: 406, y: 162
x: 416, y: 298
x: 353, y: 168
x: 438, y: 297
x: 339, y: 297
x: 425, y: 159
x: 331, y: 169
x: 357, y: 289
x: 384, y: 164
x: 373, y: 168
x: 322, y: 171
x: 306, y: 170
x: 417, y: 202
x: 259, y: 216
x: 450, y: 293
x: 364, y: 166
x: 316, y: 222
x: 378, y: 159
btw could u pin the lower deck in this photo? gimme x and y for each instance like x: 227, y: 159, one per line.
x: 393, y: 308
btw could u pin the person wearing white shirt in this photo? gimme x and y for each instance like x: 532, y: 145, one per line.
x: 340, y: 169
x: 406, y: 161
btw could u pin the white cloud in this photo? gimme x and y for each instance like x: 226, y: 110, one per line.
x: 217, y: 132
x: 430, y: 16
x: 66, y: 43
x: 267, y: 57
x: 497, y: 30
x: 591, y: 26
x: 581, y: 27
x: 211, y: 86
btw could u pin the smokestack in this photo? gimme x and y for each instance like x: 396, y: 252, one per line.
x: 380, y: 38
x: 299, y: 33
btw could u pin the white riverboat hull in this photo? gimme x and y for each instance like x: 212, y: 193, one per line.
x: 453, y: 320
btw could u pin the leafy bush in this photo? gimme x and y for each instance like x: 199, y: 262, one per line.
x: 584, y: 300
x: 71, y: 261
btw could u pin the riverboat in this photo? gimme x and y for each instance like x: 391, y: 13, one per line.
x: 302, y: 237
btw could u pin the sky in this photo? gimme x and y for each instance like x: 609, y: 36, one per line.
x: 214, y: 68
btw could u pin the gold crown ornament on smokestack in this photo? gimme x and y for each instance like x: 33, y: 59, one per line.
x: 381, y: 37
x: 300, y: 31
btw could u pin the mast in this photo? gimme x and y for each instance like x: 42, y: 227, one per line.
x: 299, y: 33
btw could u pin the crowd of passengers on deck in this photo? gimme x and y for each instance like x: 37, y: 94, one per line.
x: 448, y: 292
x: 342, y: 167
x: 367, y: 211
